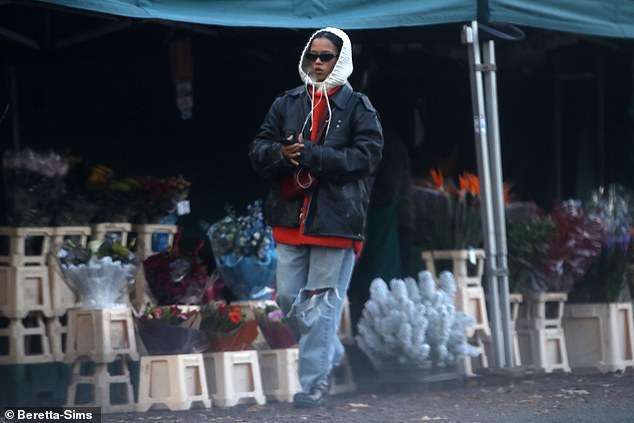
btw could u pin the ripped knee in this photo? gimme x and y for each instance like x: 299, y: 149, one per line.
x: 309, y: 293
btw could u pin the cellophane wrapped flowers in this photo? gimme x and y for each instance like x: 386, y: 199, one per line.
x: 411, y: 323
x: 101, y: 274
x: 33, y: 182
x: 606, y: 277
x: 171, y: 329
x: 227, y: 327
x: 272, y: 324
x: 245, y: 253
x: 175, y: 276
x: 573, y: 250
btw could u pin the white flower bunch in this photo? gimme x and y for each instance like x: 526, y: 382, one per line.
x: 414, y: 323
x: 101, y: 274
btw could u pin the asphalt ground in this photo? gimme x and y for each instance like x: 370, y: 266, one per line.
x: 579, y: 397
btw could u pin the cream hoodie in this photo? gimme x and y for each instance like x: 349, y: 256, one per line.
x: 339, y: 75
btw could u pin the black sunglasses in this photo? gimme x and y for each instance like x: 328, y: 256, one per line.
x: 324, y: 57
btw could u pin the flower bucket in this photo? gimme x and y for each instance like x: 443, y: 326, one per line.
x: 238, y: 340
x: 278, y: 336
x: 162, y: 338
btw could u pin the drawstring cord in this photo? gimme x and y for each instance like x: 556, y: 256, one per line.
x: 324, y: 91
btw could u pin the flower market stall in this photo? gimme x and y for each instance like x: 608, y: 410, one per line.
x: 120, y: 209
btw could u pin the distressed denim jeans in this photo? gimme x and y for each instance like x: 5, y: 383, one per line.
x: 314, y: 319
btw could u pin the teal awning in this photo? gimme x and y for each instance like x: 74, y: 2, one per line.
x: 612, y: 18
x: 346, y: 14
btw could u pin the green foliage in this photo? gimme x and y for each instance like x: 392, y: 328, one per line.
x: 527, y: 242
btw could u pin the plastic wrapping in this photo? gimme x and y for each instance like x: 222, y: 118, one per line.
x: 175, y: 277
x: 271, y: 322
x: 607, y: 276
x: 245, y: 253
x: 171, y: 330
x: 227, y: 328
x: 100, y: 283
x: 570, y: 254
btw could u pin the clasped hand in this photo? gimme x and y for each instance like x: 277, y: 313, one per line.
x: 291, y: 152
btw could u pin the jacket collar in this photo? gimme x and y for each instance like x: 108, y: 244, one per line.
x: 339, y: 99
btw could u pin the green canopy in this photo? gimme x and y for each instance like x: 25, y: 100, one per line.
x: 612, y: 18
x: 347, y: 14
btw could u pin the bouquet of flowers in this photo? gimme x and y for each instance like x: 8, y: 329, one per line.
x: 410, y: 323
x: 227, y: 327
x: 176, y: 277
x: 529, y: 233
x: 448, y: 216
x: 271, y: 322
x: 118, y: 199
x: 32, y: 184
x: 606, y: 277
x: 575, y: 247
x: 161, y: 197
x: 171, y: 330
x: 101, y: 274
x: 245, y: 253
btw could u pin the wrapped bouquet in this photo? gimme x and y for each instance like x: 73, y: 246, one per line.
x: 101, y: 274
x: 32, y: 184
x: 227, y: 327
x: 271, y: 321
x: 176, y: 277
x: 245, y: 253
x: 171, y: 330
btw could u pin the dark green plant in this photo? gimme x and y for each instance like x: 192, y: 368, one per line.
x: 527, y: 242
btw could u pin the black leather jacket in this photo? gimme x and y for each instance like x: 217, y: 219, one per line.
x: 344, y: 163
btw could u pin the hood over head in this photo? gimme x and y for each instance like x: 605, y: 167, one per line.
x: 342, y: 69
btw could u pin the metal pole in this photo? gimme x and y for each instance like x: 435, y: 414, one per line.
x: 14, y: 107
x: 470, y: 37
x: 497, y: 197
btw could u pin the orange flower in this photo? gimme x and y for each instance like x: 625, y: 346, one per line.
x: 437, y: 178
x: 235, y: 317
x: 470, y: 183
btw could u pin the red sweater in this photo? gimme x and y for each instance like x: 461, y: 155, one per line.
x: 296, y: 236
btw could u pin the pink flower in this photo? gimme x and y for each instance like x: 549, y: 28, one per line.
x: 275, y: 315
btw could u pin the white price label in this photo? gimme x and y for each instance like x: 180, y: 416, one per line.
x: 472, y: 256
x: 182, y: 208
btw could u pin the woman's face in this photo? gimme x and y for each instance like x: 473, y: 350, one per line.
x: 321, y: 57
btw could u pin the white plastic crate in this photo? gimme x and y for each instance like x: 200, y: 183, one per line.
x: 460, y: 260
x: 18, y: 253
x: 234, y: 377
x: 24, y: 289
x: 24, y: 341
x: 599, y: 335
x: 543, y: 310
x: 100, y: 383
x: 543, y: 349
x: 116, y: 230
x: 103, y: 335
x: 278, y: 368
x: 175, y: 382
